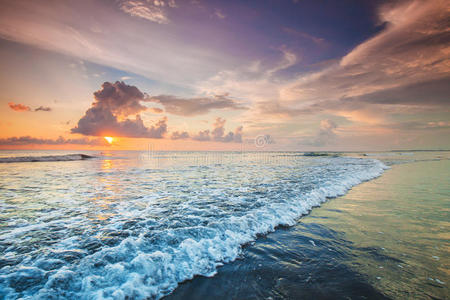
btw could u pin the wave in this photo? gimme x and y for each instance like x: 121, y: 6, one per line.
x: 150, y: 262
x: 332, y: 154
x: 67, y: 157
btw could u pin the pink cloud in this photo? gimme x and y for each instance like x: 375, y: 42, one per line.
x: 19, y: 107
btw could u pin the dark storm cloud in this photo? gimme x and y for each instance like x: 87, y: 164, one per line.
x: 28, y: 140
x: 195, y: 106
x: 107, y: 116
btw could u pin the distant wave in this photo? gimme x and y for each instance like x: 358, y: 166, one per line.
x: 332, y: 154
x: 67, y: 157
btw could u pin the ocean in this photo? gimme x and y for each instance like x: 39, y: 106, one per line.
x: 241, y: 225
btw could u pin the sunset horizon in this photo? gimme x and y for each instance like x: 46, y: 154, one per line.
x: 373, y: 76
x: 211, y: 149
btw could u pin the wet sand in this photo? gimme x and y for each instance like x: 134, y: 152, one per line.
x: 386, y: 238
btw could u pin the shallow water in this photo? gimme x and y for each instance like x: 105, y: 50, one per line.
x: 136, y: 224
x: 388, y: 237
x: 132, y: 224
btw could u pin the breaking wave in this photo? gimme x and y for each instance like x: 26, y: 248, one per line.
x: 160, y: 227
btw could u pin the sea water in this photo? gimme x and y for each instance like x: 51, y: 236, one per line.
x: 387, y: 238
x: 136, y: 224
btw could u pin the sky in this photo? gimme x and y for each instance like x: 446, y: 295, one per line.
x: 296, y: 75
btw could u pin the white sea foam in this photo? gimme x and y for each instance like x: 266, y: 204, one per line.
x: 156, y: 231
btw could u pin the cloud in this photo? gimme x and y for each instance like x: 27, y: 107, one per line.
x: 156, y: 110
x: 402, y: 68
x: 179, y: 135
x: 274, y: 108
x: 43, y: 108
x: 151, y: 11
x: 289, y: 60
x: 113, y: 103
x: 22, y: 107
x: 219, y: 14
x: 202, y: 136
x: 195, y: 106
x: 438, y: 124
x: 419, y: 125
x: 325, y: 136
x: 255, y: 80
x: 303, y: 35
x: 427, y: 93
x: 218, y: 133
x: 18, y: 107
x: 120, y: 98
x: 103, y: 33
x: 27, y: 140
x: 410, y: 51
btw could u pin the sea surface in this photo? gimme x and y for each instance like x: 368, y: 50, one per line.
x: 137, y: 225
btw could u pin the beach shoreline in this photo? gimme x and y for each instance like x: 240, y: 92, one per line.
x: 322, y: 257
x: 214, y: 222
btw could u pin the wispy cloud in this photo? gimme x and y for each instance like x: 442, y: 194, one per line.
x: 404, y: 69
x: 150, y: 10
x: 401, y: 69
x: 219, y: 14
x: 28, y: 140
x: 115, y: 34
x: 196, y: 106
x: 412, y: 49
x: 156, y: 110
x: 303, y: 35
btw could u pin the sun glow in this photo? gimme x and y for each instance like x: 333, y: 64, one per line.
x: 109, y: 139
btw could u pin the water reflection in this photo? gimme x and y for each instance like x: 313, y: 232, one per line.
x: 386, y: 238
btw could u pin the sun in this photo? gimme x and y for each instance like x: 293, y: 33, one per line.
x: 109, y: 139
